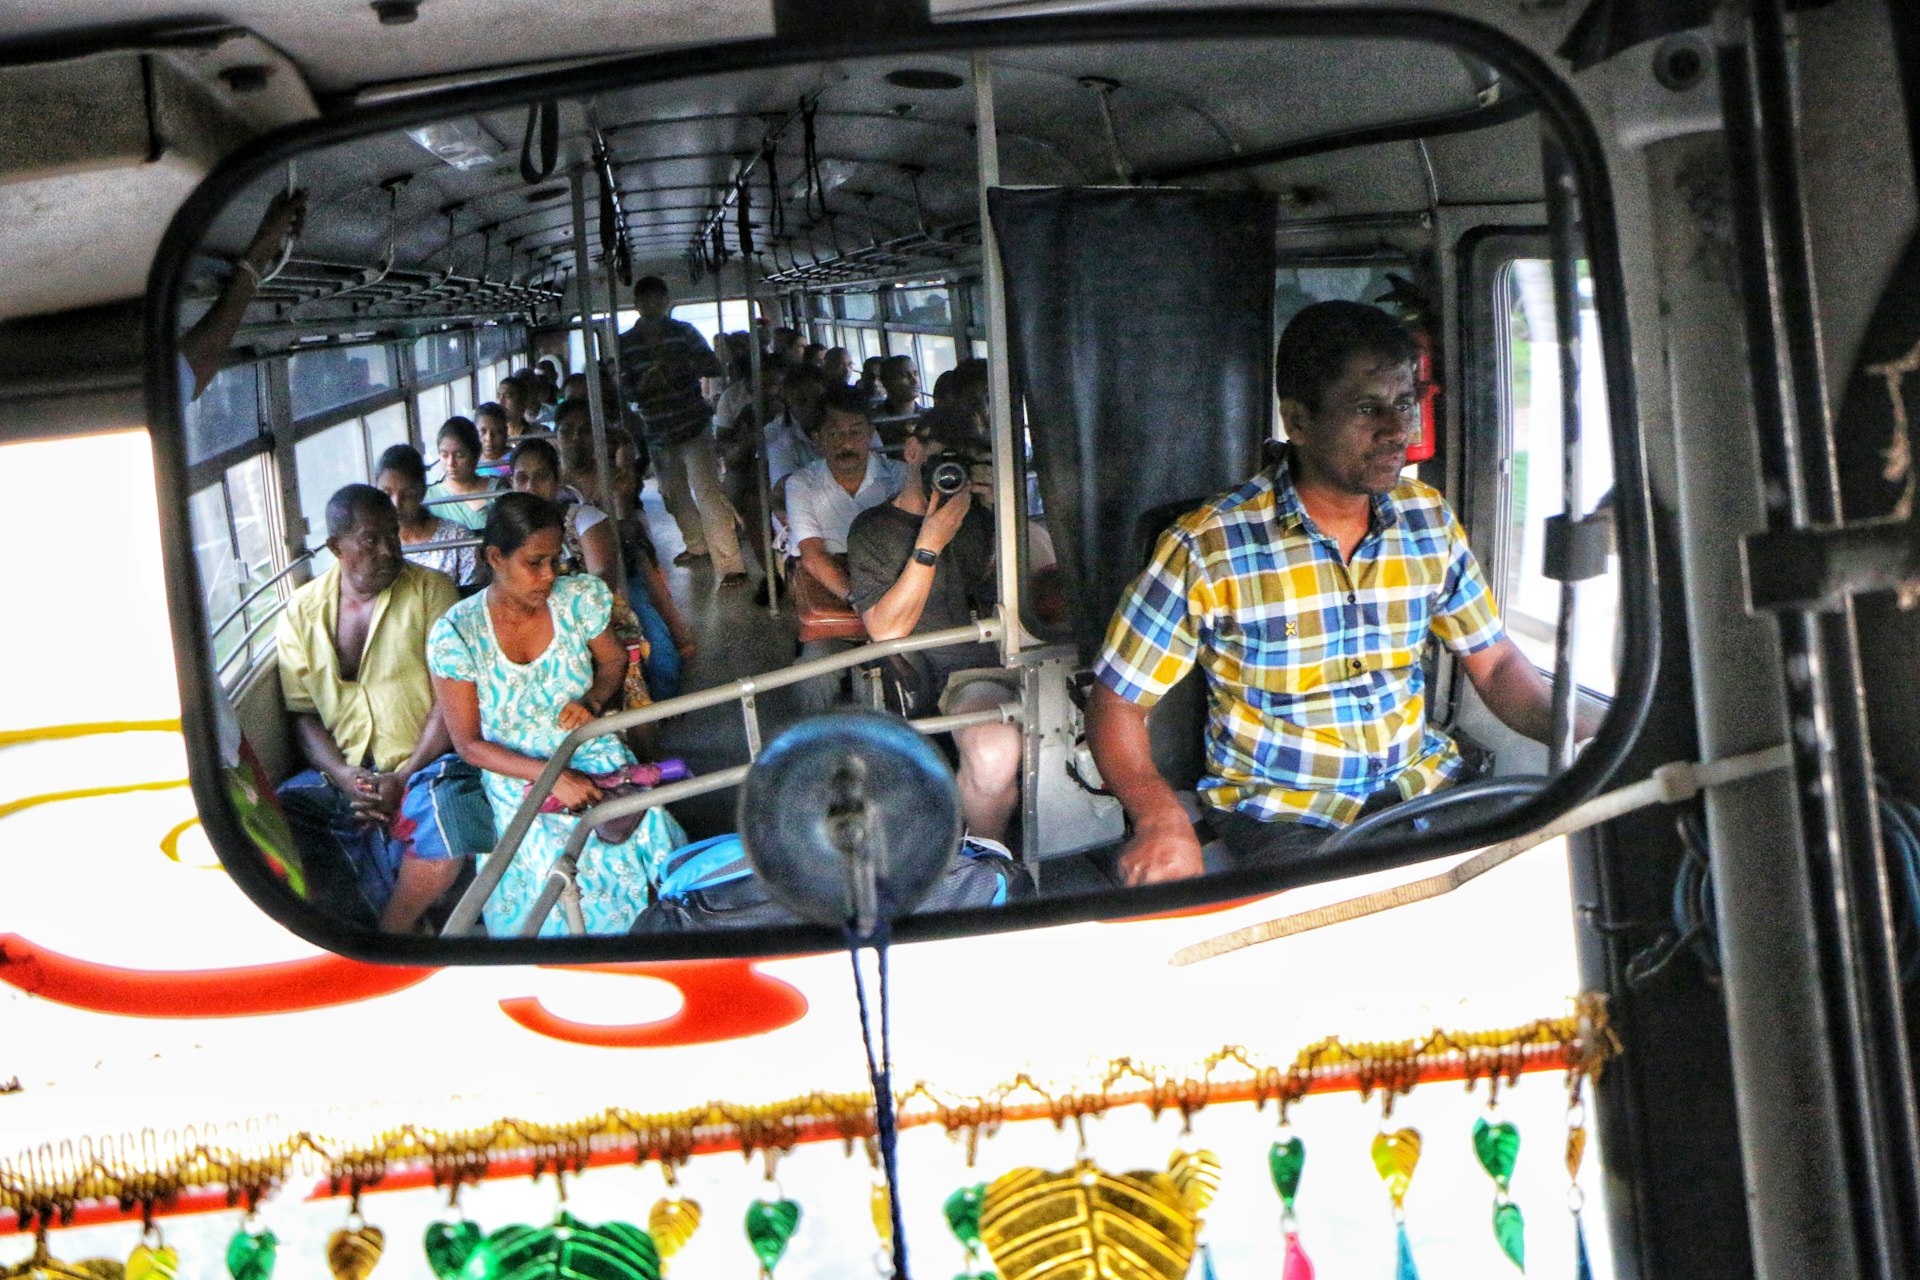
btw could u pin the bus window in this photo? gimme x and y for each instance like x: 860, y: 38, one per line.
x: 233, y: 541
x: 328, y: 377
x: 324, y: 464
x: 386, y: 427
x: 459, y: 403
x: 1530, y: 425
x: 226, y: 415
x: 933, y: 355
x: 434, y: 406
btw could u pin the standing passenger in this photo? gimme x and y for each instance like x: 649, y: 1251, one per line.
x: 662, y: 361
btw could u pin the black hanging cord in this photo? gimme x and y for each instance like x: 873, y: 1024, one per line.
x: 880, y: 1072
x: 544, y: 116
x: 815, y: 202
x: 776, y: 207
x: 719, y: 255
x: 745, y: 210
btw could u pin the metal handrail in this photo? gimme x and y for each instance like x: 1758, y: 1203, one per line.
x: 494, y: 867
x: 561, y: 885
x: 246, y: 641
x: 449, y: 544
x: 458, y: 498
x: 256, y: 593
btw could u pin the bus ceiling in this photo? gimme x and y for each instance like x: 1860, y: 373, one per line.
x: 861, y: 170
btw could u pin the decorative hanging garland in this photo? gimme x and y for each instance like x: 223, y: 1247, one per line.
x: 1027, y: 1223
x: 105, y: 1182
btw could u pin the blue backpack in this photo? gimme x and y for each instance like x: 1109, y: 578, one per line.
x: 710, y: 884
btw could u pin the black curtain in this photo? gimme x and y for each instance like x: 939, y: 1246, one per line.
x: 1141, y: 339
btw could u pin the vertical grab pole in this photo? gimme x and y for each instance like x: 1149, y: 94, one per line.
x: 756, y: 430
x: 1566, y: 322
x: 1008, y: 493
x: 589, y: 345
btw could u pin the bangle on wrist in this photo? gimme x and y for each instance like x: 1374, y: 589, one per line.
x: 246, y: 265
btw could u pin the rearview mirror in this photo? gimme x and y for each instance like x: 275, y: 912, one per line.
x: 460, y: 686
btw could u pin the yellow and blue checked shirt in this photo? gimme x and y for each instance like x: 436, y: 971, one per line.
x: 1315, y: 690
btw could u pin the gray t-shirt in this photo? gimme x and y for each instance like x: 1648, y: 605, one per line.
x: 880, y: 544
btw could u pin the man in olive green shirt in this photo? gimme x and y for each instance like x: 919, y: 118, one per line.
x: 386, y: 813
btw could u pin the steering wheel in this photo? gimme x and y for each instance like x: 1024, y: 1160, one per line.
x: 1497, y: 795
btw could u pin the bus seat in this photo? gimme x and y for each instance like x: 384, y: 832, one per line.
x: 264, y: 721
x: 820, y: 616
x: 1176, y: 727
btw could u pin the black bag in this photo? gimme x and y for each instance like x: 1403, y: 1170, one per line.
x: 709, y: 884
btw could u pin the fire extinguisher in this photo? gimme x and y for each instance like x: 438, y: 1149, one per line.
x: 1412, y: 307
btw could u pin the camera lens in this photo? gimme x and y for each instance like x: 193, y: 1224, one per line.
x: 949, y: 477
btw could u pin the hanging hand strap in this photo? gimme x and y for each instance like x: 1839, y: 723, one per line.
x: 546, y: 117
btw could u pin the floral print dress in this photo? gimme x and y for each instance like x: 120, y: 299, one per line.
x: 520, y: 709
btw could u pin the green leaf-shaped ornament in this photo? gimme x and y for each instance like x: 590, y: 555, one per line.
x: 963, y: 1214
x: 1285, y: 1160
x: 449, y: 1245
x: 1498, y: 1147
x: 770, y: 1224
x: 567, y: 1250
x: 250, y: 1256
x: 1510, y: 1229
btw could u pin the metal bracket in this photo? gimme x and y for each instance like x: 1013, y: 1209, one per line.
x: 1576, y: 550
x: 1820, y: 569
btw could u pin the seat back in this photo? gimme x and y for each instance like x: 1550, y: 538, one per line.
x: 1176, y: 727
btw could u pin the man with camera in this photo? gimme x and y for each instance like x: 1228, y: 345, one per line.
x: 924, y: 562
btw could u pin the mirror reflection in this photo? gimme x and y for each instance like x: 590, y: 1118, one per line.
x: 1171, y: 451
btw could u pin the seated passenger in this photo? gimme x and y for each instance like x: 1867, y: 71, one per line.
x: 515, y: 668
x: 670, y: 638
x: 382, y: 815
x: 402, y: 476
x: 924, y: 562
x: 837, y: 364
x: 459, y: 445
x: 789, y: 437
x: 822, y: 500
x: 900, y: 400
x: 588, y: 544
x: 514, y: 396
x: 1307, y: 596
x: 544, y: 384
x: 491, y: 422
x: 813, y: 354
x: 869, y: 383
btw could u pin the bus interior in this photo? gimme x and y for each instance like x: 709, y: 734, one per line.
x: 429, y: 268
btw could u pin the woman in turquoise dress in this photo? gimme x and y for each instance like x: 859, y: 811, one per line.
x: 514, y: 669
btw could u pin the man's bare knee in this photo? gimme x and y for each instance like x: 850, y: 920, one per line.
x: 991, y: 753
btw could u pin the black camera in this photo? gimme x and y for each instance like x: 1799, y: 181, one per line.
x: 949, y: 473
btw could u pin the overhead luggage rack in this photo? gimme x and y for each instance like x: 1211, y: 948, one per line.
x: 916, y: 253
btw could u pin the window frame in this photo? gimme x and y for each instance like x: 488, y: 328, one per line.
x: 1486, y: 506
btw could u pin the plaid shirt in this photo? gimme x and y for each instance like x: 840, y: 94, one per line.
x: 1316, y: 692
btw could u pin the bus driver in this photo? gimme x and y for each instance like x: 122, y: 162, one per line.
x: 1307, y: 596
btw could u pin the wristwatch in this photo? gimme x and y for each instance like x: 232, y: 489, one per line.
x: 923, y: 556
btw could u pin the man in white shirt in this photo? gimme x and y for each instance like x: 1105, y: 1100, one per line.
x: 822, y: 500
